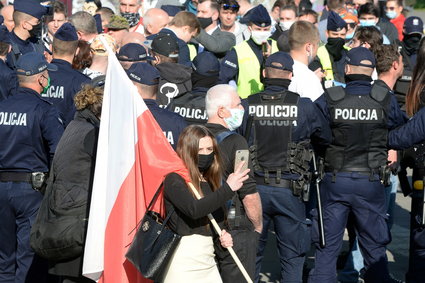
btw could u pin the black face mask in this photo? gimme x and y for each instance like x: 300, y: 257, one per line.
x: 357, y: 77
x: 36, y: 31
x: 335, y: 46
x: 205, y: 22
x: 411, y: 43
x: 205, y: 161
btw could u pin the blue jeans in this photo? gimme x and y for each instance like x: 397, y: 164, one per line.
x: 292, y: 231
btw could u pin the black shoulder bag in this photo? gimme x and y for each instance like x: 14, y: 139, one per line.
x: 154, y: 244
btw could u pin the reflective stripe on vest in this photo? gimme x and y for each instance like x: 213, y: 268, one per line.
x: 249, y: 71
x: 192, y: 51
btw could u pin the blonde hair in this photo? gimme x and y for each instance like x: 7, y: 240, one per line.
x: 89, y: 97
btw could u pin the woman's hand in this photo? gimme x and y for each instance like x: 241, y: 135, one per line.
x: 236, y: 179
x: 226, y: 239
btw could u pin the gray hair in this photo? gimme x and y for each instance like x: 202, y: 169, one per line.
x: 219, y: 95
x: 83, y: 22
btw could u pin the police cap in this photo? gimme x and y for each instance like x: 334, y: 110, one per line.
x: 171, y: 10
x: 132, y: 52
x: 280, y: 60
x: 360, y: 56
x: 33, y: 63
x: 260, y: 17
x: 30, y: 7
x: 98, y: 20
x: 4, y: 35
x: 206, y: 64
x: 143, y: 73
x: 335, y: 22
x: 413, y: 25
x: 165, y: 45
x: 1, y: 19
x: 66, y: 32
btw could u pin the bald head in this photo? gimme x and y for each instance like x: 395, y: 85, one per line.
x: 7, y: 13
x: 154, y: 20
x: 133, y: 37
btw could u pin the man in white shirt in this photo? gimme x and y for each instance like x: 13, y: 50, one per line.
x: 303, y: 44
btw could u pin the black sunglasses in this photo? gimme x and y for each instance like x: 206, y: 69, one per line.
x: 233, y: 7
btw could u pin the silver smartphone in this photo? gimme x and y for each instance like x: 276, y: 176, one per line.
x: 241, y: 155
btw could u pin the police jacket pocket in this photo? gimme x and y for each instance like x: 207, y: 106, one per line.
x: 60, y: 227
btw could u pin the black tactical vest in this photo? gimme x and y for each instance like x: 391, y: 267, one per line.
x: 191, y: 107
x: 273, y: 118
x: 359, y: 128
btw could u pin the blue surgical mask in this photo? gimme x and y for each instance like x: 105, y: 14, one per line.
x: 391, y: 14
x: 367, y: 23
x: 349, y: 36
x: 235, y: 120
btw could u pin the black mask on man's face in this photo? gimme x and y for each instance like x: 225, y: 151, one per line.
x: 36, y: 31
x: 411, y: 43
x: 335, y: 46
x: 205, y: 22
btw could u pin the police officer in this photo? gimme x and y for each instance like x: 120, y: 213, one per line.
x: 27, y: 17
x: 413, y: 32
x: 30, y: 129
x: 332, y: 54
x: 283, y: 124
x: 225, y: 114
x: 65, y: 82
x: 146, y: 78
x: 360, y: 116
x: 8, y: 80
x: 244, y: 62
x: 191, y: 106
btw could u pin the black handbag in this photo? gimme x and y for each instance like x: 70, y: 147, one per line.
x: 153, y: 245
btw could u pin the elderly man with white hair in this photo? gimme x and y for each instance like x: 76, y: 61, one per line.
x: 225, y: 114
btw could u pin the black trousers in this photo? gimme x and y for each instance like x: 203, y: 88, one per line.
x: 245, y: 244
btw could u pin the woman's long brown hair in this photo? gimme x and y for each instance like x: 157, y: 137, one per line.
x: 414, y: 101
x: 188, y: 149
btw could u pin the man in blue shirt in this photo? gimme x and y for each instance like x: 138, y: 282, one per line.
x: 30, y: 130
x: 146, y: 78
x: 65, y: 82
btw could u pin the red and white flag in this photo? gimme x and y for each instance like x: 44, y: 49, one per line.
x: 133, y: 156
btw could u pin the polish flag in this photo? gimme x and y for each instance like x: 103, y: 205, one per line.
x: 133, y: 157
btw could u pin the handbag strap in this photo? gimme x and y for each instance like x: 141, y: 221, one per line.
x: 154, y: 197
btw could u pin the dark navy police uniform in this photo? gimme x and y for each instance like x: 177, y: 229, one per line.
x: 64, y: 84
x: 283, y: 125
x: 360, y: 117
x: 29, y: 132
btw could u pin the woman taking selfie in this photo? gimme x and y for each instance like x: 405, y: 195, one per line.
x: 193, y: 260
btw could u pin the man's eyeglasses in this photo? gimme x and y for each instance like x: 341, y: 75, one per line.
x: 233, y: 7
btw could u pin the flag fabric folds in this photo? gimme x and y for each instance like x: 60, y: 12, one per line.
x: 133, y: 157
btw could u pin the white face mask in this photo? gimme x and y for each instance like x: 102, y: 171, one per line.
x: 286, y: 25
x: 235, y: 120
x: 260, y: 37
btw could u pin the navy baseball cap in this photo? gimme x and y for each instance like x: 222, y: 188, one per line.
x: 171, y: 10
x: 133, y: 52
x: 360, y: 56
x: 66, y: 32
x: 30, y: 7
x: 260, y: 17
x: 1, y: 19
x: 165, y: 45
x: 33, y: 63
x: 4, y: 35
x: 335, y: 22
x: 280, y: 60
x: 413, y: 25
x: 98, y: 20
x: 206, y: 64
x: 143, y: 73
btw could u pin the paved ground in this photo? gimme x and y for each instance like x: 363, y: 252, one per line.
x: 397, y: 250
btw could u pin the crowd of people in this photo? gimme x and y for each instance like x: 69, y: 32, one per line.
x: 285, y: 85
